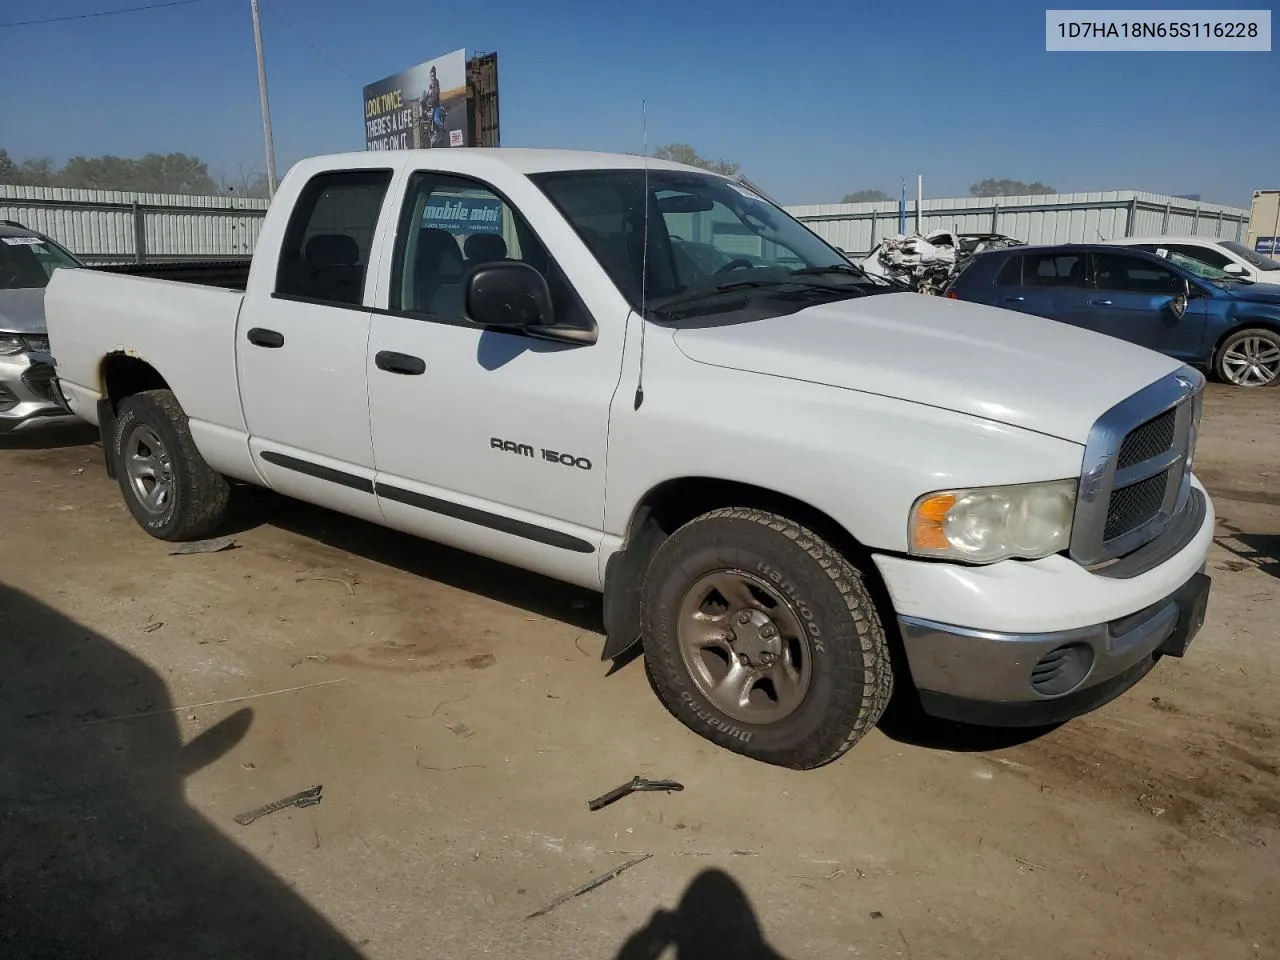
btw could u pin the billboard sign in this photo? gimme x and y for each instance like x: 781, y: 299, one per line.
x: 419, y: 108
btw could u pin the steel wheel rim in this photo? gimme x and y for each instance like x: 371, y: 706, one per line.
x: 150, y: 469
x: 1252, y: 361
x: 744, y: 646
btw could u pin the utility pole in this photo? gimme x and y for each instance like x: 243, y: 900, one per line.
x: 919, y: 201
x: 262, y: 95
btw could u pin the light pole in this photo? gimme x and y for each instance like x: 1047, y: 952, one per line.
x: 262, y: 95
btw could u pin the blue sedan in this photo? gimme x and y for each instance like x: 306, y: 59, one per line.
x: 1174, y: 304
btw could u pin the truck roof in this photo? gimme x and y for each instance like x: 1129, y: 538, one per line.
x: 521, y: 159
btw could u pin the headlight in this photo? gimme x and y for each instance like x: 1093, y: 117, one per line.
x: 985, y: 524
x: 11, y: 345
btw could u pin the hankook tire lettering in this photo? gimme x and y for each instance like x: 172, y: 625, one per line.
x: 805, y: 612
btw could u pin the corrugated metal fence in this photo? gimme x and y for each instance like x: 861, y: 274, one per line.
x: 1054, y: 218
x: 103, y: 225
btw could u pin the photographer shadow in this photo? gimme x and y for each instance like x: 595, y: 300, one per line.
x: 100, y: 854
x: 714, y: 920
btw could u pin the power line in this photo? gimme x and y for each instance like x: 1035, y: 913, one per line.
x: 100, y: 13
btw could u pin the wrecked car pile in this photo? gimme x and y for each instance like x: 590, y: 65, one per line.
x: 928, y: 263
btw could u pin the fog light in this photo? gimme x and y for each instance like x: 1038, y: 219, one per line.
x: 1062, y: 669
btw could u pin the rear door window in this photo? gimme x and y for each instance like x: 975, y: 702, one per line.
x: 325, y: 254
x: 1010, y: 274
x: 1053, y: 270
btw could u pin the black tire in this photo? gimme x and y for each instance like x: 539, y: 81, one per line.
x: 851, y: 678
x: 198, y: 497
x: 1268, y: 337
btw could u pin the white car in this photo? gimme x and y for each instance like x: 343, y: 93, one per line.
x: 795, y: 486
x: 1230, y: 256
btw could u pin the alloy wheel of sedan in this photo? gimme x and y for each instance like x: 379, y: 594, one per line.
x: 1252, y: 360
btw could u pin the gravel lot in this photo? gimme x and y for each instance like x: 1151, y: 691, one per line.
x: 458, y: 716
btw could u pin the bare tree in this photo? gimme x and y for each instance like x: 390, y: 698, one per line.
x: 1009, y: 188
x: 684, y: 153
x: 866, y: 196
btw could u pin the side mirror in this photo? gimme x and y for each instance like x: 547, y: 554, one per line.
x: 1234, y: 269
x: 509, y: 295
x: 1179, y: 304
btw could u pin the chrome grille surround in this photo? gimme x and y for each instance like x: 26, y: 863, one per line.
x: 1093, y: 542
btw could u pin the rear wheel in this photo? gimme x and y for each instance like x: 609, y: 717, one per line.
x: 761, y: 637
x: 167, y: 485
x: 1250, y: 358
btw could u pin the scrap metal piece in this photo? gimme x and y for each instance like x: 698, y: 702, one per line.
x: 588, y: 887
x: 203, y: 546
x: 307, y: 798
x: 635, y: 785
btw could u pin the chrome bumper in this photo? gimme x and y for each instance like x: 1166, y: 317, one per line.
x: 1027, y: 679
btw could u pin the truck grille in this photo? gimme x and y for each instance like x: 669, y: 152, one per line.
x: 1150, y: 440
x: 1136, y: 476
x: 1134, y: 505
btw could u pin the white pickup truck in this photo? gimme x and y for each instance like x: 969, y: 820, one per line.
x: 796, y: 486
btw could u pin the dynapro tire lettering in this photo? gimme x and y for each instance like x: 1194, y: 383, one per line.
x: 550, y: 456
x: 707, y: 716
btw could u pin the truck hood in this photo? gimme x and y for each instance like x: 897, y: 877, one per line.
x: 22, y: 310
x: 997, y: 364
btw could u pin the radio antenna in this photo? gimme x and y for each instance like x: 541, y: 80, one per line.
x: 644, y: 253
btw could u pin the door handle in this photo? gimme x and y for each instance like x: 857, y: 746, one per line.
x: 1014, y: 299
x: 261, y: 337
x: 393, y: 362
x: 1098, y: 303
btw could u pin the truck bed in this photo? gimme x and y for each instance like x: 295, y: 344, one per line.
x: 231, y: 273
x: 182, y: 324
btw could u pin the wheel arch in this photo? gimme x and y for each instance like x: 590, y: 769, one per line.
x: 121, y: 375
x: 672, y: 503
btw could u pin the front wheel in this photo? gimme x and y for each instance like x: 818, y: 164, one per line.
x: 167, y: 485
x: 1250, y: 358
x: 761, y: 637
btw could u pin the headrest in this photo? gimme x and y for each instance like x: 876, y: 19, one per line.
x: 332, y: 250
x: 485, y: 247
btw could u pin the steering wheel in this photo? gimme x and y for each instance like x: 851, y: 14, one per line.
x: 9, y: 276
x: 740, y: 263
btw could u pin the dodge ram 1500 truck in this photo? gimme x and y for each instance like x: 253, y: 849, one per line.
x: 793, y: 484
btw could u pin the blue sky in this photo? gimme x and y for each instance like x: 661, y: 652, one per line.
x: 814, y: 99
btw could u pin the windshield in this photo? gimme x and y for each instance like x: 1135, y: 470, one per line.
x: 27, y: 261
x: 1249, y: 256
x: 1198, y: 267
x: 711, y: 242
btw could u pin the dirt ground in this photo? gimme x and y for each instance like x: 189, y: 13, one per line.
x: 458, y: 717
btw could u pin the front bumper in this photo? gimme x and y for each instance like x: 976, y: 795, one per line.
x: 977, y: 637
x: 1006, y: 679
x: 27, y: 397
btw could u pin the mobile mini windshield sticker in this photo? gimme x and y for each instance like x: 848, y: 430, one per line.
x: 23, y: 241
